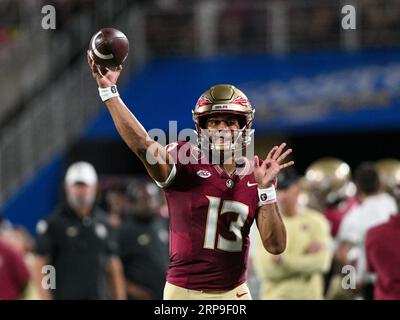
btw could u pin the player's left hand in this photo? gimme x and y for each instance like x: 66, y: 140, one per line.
x: 266, y: 173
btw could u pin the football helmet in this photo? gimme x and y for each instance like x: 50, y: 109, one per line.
x: 389, y: 172
x: 224, y: 99
x: 328, y: 181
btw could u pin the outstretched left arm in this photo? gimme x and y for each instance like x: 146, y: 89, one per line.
x: 269, y: 222
x: 272, y: 229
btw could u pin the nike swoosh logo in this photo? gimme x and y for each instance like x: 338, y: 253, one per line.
x: 251, y: 184
x: 240, y: 295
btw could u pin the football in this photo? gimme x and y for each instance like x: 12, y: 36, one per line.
x: 109, y: 47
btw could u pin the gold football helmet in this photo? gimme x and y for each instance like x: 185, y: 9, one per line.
x: 327, y: 181
x: 389, y: 172
x: 224, y: 99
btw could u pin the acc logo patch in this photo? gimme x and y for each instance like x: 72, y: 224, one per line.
x: 203, y: 174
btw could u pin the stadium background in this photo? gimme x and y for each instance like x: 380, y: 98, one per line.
x: 324, y: 90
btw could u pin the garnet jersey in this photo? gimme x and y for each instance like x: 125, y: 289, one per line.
x: 210, y: 218
x: 336, y: 214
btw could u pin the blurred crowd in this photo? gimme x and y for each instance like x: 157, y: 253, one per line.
x: 242, y: 26
x: 16, y: 16
x: 247, y: 26
x: 343, y: 234
x: 109, y: 239
x: 106, y: 240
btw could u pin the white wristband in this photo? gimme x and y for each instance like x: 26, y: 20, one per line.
x: 107, y: 93
x: 266, y: 196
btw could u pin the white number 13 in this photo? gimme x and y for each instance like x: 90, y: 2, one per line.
x: 212, y: 221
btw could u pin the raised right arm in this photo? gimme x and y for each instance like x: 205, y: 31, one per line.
x: 151, y: 153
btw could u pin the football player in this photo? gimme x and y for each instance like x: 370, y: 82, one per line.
x: 382, y: 253
x: 211, y: 205
x: 330, y: 190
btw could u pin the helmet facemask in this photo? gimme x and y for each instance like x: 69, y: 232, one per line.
x: 225, y: 140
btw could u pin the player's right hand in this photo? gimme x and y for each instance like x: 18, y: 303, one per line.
x: 104, y: 77
x: 266, y: 173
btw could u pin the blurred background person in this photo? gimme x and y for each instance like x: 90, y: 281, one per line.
x: 116, y: 203
x: 382, y: 242
x: 298, y: 272
x: 143, y: 242
x: 19, y: 238
x: 14, y: 274
x: 329, y: 189
x: 78, y: 241
x: 383, y: 258
x: 376, y: 207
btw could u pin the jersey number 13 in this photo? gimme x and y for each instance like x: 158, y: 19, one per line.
x: 235, y: 226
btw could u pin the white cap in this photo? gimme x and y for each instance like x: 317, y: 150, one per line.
x: 81, y: 172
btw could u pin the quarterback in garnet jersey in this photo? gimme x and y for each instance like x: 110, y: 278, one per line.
x: 214, y: 193
x: 211, y: 214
